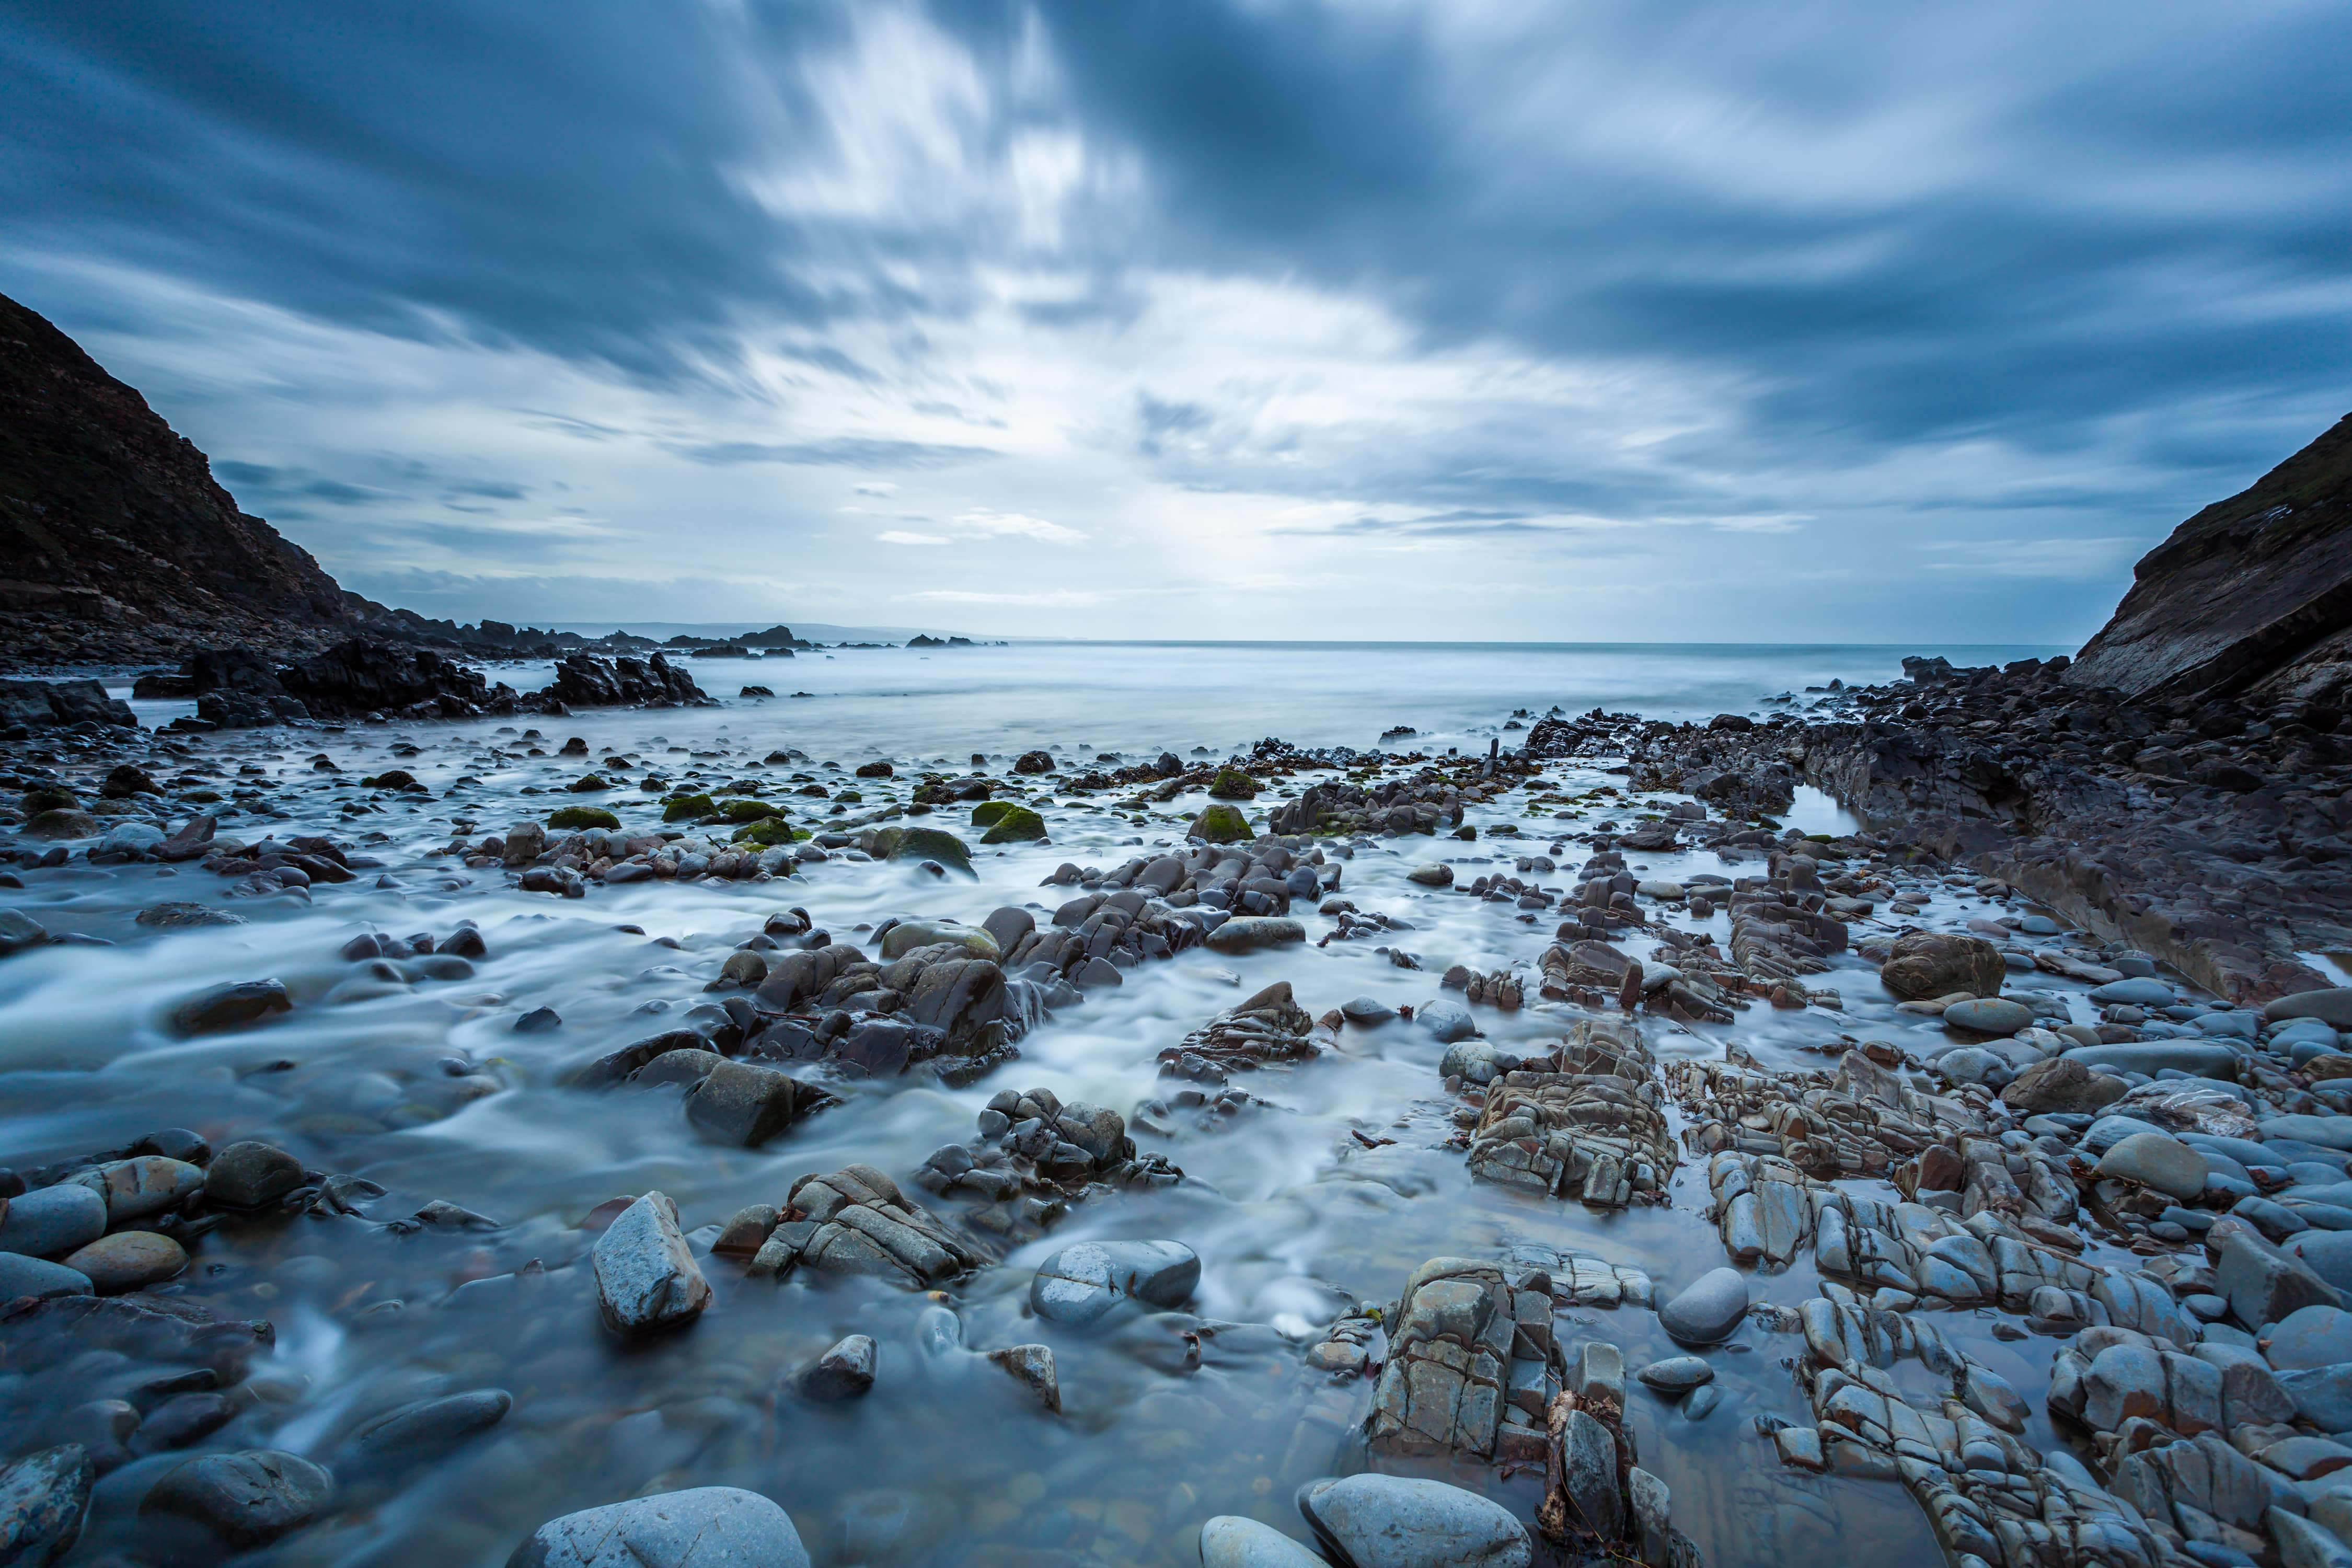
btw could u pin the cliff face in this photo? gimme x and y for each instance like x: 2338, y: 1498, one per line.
x: 116, y: 542
x: 2252, y: 597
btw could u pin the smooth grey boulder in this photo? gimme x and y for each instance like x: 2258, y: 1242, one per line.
x: 2322, y: 1396
x: 44, y: 1497
x: 2332, y: 1007
x: 21, y: 1274
x: 1989, y: 1016
x: 1473, y: 1061
x: 1394, y: 1522
x: 1080, y: 1284
x: 1708, y: 1308
x: 2326, y: 1132
x: 2309, y: 1337
x: 1446, y: 1021
x: 703, y: 1527
x: 2157, y: 1160
x: 247, y: 1500
x: 1588, y: 1463
x: 2261, y: 1283
x: 2140, y: 991
x: 646, y: 1280
x: 1676, y: 1374
x: 2327, y: 1253
x: 434, y: 1423
x: 2198, y: 1057
x: 1230, y: 1541
x: 47, y: 1221
x: 1366, y: 1012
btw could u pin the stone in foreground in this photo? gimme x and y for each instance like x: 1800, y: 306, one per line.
x: 703, y: 1527
x: 1394, y: 1522
x: 646, y: 1280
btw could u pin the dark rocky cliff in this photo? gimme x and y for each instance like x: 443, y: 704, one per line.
x: 116, y: 542
x: 2252, y: 597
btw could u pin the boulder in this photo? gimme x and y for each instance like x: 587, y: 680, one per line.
x: 2157, y: 1160
x: 1989, y: 1016
x: 251, y: 1176
x: 2261, y: 1283
x: 745, y: 1104
x: 1396, y: 1522
x: 231, y: 1006
x: 247, y: 1500
x: 843, y: 1372
x: 2064, y: 1085
x: 44, y: 1497
x: 2332, y: 1007
x: 703, y: 1527
x: 646, y: 1279
x: 1707, y: 1309
x: 1249, y: 933
x: 24, y: 1275
x: 49, y: 1221
x: 1080, y: 1284
x: 1230, y: 1541
x: 128, y: 1260
x: 1926, y: 965
x: 431, y: 1423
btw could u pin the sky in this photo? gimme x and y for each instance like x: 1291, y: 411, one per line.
x: 1586, y: 319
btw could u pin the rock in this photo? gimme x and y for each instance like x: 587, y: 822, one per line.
x: 2159, y: 1161
x: 2135, y: 992
x: 2261, y: 1283
x: 1471, y: 1060
x: 2327, y: 1132
x: 1221, y: 824
x: 251, y: 1176
x: 2238, y: 594
x: 1015, y: 825
x: 2327, y: 1253
x: 24, y: 1275
x: 231, y: 1006
x: 148, y: 1184
x: 19, y: 931
x: 843, y: 1372
x: 933, y: 844
x: 2064, y: 1085
x: 2332, y: 1007
x: 1366, y: 1012
x: 1446, y: 1021
x: 1078, y: 1284
x: 1707, y: 1309
x: 1926, y: 965
x: 2310, y: 1336
x: 539, y: 1021
x: 1249, y: 933
x: 1395, y: 1522
x: 1033, y: 1367
x: 1589, y: 1476
x: 746, y: 1104
x: 434, y: 1423
x: 2303, y: 1545
x: 248, y: 1499
x: 44, y: 1498
x: 2198, y: 1057
x: 61, y: 822
x: 2322, y: 1395
x: 48, y: 1221
x: 1676, y: 1374
x: 1989, y: 1016
x: 703, y: 1527
x: 1230, y: 1541
x: 1434, y: 874
x: 129, y: 1260
x: 908, y: 935
x: 646, y: 1280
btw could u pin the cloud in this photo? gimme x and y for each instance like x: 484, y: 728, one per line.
x: 897, y: 536
x: 1380, y: 305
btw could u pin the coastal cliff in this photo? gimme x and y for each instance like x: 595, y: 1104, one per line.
x: 119, y: 544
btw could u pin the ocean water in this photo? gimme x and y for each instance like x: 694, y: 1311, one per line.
x: 1326, y: 1194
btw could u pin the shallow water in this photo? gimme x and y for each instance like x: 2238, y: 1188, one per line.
x: 428, y: 1090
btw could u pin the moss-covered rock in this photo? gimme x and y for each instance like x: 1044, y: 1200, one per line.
x: 589, y: 784
x: 985, y: 813
x: 1232, y: 784
x: 62, y: 821
x: 689, y: 807
x: 747, y: 810
x: 1015, y: 824
x: 577, y: 816
x: 38, y: 801
x: 1222, y: 824
x: 932, y: 844
x: 768, y: 830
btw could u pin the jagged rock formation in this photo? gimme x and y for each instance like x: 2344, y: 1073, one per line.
x: 2251, y: 596
x: 120, y: 544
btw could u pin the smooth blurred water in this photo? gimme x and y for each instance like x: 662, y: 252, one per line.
x: 947, y: 1461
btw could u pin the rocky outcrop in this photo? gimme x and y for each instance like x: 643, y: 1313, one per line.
x: 120, y: 543
x: 2254, y: 594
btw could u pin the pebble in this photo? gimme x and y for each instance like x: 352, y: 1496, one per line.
x: 1033, y: 1367
x: 22, y: 1274
x: 646, y: 1279
x: 703, y: 1527
x: 129, y: 1260
x: 248, y: 1499
x: 434, y: 1423
x: 1395, y: 1522
x: 1708, y: 1308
